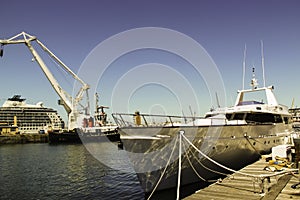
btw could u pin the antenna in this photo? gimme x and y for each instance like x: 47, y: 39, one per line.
x: 217, y: 98
x: 190, y: 107
x: 293, y: 101
x: 254, y: 83
x: 263, y: 62
x: 185, y: 120
x: 193, y: 115
x: 96, y: 101
x: 244, y: 66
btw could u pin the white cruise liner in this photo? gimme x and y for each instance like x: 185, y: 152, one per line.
x: 30, y: 118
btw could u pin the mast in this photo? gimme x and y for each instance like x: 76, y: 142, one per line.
x: 217, y: 98
x: 254, y: 82
x: 244, y: 66
x: 263, y: 62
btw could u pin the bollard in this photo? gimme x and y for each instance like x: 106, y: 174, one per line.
x: 299, y: 172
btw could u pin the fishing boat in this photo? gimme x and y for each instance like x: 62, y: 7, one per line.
x: 93, y: 129
x: 84, y: 135
x: 159, y: 146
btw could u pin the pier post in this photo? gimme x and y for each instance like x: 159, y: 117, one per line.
x: 179, y: 165
x: 297, y: 151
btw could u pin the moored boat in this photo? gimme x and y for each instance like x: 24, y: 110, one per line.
x: 232, y: 136
x: 295, y: 112
x: 93, y: 129
x: 96, y: 134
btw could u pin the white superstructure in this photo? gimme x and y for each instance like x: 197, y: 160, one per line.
x: 30, y: 118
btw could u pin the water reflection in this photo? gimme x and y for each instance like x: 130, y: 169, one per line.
x: 42, y: 171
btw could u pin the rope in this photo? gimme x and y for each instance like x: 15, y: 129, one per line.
x: 207, y: 168
x: 247, y: 138
x: 163, y: 173
x: 181, y: 134
x: 232, y: 170
x: 199, y: 176
x: 64, y: 73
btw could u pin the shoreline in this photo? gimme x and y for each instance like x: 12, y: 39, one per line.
x: 24, y: 138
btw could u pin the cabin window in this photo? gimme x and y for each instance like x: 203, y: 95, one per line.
x: 263, y: 118
x: 238, y: 116
x: 277, y: 119
x: 207, y: 116
x: 286, y: 120
x: 228, y: 116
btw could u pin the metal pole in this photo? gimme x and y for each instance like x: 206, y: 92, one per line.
x: 179, y: 166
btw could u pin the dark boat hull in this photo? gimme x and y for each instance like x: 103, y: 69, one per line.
x: 81, y: 137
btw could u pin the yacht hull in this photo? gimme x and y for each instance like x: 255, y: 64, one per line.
x: 234, y: 146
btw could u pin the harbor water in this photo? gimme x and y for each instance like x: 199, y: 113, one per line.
x: 43, y: 171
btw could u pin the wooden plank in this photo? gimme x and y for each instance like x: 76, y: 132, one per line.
x: 289, y: 191
x: 238, y: 186
x: 230, y: 194
x: 277, y: 188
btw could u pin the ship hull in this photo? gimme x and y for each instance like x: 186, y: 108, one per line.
x: 233, y: 146
x: 83, y: 137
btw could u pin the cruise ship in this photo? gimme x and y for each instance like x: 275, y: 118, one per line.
x: 30, y: 118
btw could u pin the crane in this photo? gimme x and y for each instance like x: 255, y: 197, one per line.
x: 69, y: 103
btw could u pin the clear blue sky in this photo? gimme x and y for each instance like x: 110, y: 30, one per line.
x: 72, y: 29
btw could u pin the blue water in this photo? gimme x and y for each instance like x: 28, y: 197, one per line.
x: 43, y: 171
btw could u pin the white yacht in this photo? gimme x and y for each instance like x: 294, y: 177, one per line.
x: 232, y: 136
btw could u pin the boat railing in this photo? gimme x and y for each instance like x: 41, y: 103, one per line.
x: 152, y: 120
x: 149, y: 120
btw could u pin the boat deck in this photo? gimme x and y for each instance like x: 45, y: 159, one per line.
x: 240, y: 187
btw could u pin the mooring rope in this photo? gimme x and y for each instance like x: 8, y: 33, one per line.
x: 199, y: 176
x: 247, y: 138
x: 181, y: 135
x: 232, y: 170
x: 163, y: 173
x: 207, y: 168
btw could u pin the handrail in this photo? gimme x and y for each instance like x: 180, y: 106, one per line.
x: 129, y: 120
x: 119, y: 118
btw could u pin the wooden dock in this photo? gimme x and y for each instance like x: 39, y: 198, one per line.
x: 238, y: 186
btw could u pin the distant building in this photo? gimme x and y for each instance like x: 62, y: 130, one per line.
x: 6, y: 129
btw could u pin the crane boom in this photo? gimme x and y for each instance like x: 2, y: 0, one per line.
x: 70, y: 104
